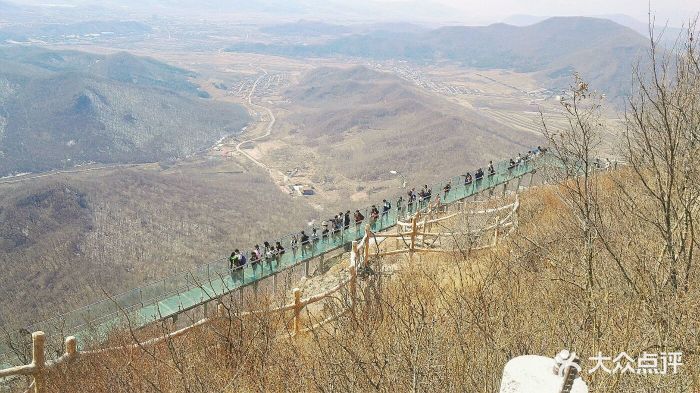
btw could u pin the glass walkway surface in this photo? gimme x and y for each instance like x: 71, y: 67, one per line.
x: 183, y: 291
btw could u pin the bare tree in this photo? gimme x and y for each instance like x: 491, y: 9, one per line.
x: 662, y: 146
x: 575, y: 149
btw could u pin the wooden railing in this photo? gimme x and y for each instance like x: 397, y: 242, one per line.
x: 414, y: 233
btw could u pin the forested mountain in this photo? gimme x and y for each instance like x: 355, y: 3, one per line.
x: 62, y: 108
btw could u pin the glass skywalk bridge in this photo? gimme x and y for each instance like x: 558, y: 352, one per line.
x: 180, y: 292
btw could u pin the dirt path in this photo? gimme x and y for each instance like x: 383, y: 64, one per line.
x: 268, y: 130
x: 277, y: 176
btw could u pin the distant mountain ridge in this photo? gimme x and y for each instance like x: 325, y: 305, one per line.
x: 642, y: 27
x: 603, y: 51
x: 63, y: 108
x: 306, y: 28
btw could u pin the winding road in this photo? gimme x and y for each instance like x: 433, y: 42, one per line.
x: 268, y: 131
x: 23, y: 178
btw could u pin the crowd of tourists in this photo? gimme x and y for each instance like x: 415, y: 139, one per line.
x: 335, y: 229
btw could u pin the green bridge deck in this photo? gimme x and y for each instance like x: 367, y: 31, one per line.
x: 180, y: 292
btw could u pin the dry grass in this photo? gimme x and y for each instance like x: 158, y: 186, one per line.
x: 441, y: 324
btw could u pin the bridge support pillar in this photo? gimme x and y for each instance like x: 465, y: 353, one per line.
x: 505, y: 188
x: 255, y: 289
x: 353, y: 279
x: 274, y: 283
x: 517, y: 188
x: 531, y: 176
x: 306, y: 267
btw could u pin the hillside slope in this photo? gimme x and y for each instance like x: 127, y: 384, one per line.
x: 60, y: 109
x: 364, y: 123
x: 447, y: 320
x: 77, y: 236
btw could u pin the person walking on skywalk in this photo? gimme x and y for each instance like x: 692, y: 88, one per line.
x: 346, y: 220
x: 305, y: 243
x: 373, y: 216
x: 256, y: 256
x: 237, y: 262
x: 359, y: 217
x: 385, y: 209
x: 233, y: 260
x: 279, y: 251
x: 467, y: 179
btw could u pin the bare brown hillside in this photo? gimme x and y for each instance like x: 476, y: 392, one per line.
x: 362, y: 123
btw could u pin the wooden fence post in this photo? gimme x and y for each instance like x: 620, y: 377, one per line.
x: 297, y: 311
x: 71, y: 347
x: 38, y: 361
x: 414, y: 231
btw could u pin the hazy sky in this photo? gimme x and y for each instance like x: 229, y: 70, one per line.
x: 676, y: 11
